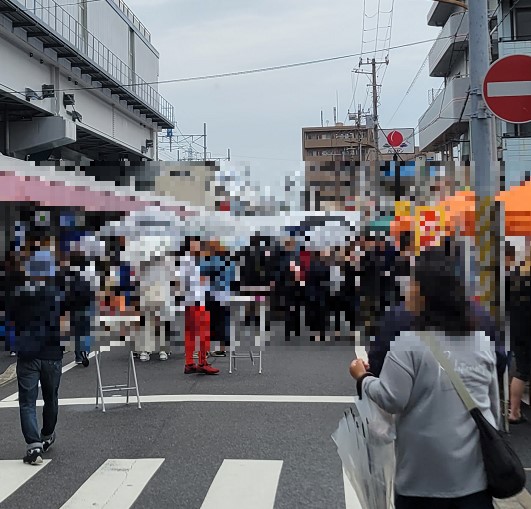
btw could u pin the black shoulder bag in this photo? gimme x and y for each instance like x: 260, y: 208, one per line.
x: 505, y: 474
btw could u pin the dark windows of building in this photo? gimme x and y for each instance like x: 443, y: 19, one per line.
x: 523, y: 130
x: 522, y: 23
x: 131, y: 56
x: 83, y: 25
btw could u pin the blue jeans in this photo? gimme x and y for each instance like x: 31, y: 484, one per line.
x: 29, y: 373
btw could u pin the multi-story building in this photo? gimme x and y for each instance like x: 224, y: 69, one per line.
x: 336, y: 143
x: 444, y: 126
x: 338, y: 159
x: 78, y: 82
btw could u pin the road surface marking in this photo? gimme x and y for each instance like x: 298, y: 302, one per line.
x: 116, y: 484
x: 351, y: 499
x: 14, y: 473
x: 509, y: 88
x: 198, y: 398
x: 68, y: 367
x: 242, y: 484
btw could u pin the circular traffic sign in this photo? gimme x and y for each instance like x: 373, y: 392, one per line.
x: 507, y: 89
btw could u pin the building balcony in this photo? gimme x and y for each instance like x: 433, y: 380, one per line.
x: 509, y: 46
x: 447, y: 117
x: 452, y: 40
x: 439, y: 14
x: 56, y: 29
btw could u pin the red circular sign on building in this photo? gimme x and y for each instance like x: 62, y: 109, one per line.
x: 395, y: 138
x: 507, y: 89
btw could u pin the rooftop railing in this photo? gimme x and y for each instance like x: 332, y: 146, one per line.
x: 130, y: 15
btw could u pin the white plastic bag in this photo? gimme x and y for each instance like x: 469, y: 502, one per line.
x: 365, y: 443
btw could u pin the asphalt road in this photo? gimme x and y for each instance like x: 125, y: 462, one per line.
x: 193, y: 440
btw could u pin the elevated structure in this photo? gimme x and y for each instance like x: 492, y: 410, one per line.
x: 78, y: 82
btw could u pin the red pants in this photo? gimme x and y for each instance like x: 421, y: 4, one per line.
x: 196, y: 333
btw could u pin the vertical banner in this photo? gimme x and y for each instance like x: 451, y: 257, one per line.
x: 429, y: 227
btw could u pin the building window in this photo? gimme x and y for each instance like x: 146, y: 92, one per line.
x: 522, y: 23
x: 131, y: 56
x: 523, y: 130
x: 83, y: 26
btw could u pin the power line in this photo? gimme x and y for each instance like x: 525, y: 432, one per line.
x: 410, y: 86
x: 251, y: 71
x: 506, y: 14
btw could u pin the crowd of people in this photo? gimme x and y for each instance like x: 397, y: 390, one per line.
x: 381, y: 288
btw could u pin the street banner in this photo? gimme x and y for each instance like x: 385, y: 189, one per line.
x: 429, y: 226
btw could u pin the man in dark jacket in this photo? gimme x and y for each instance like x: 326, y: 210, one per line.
x: 37, y: 308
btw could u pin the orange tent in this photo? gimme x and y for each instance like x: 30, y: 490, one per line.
x: 460, y: 211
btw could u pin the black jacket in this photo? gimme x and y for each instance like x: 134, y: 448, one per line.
x: 35, y: 308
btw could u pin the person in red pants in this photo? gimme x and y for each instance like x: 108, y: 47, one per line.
x: 197, y: 318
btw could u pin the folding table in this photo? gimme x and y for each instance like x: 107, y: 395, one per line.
x: 100, y: 388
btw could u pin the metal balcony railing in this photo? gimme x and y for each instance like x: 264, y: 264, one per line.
x: 130, y: 15
x: 58, y: 20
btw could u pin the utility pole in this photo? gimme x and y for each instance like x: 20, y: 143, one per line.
x: 490, y: 222
x: 205, y: 142
x: 373, y: 63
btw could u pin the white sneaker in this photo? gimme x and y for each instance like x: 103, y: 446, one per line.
x: 163, y: 356
x: 144, y: 357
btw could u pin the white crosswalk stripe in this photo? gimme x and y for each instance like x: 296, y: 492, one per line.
x: 116, y: 484
x: 14, y: 474
x: 240, y: 484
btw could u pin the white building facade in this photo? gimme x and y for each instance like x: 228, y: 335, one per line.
x: 78, y: 82
x: 444, y: 126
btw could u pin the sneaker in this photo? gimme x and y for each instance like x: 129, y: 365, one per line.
x: 219, y: 353
x: 163, y: 356
x: 207, y: 369
x: 33, y: 456
x: 79, y: 362
x: 48, y: 442
x: 13, y: 354
x: 144, y: 357
x: 190, y: 368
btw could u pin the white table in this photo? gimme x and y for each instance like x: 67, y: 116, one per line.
x: 100, y: 388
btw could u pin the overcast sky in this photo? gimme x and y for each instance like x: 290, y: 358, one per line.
x: 260, y: 116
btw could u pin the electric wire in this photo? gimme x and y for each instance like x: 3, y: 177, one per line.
x: 249, y: 71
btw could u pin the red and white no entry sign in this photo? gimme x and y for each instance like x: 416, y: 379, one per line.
x: 507, y: 89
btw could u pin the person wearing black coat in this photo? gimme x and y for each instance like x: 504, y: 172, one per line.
x: 317, y: 296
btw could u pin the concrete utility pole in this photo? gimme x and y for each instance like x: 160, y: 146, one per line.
x: 373, y: 63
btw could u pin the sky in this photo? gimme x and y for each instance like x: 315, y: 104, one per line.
x: 260, y: 116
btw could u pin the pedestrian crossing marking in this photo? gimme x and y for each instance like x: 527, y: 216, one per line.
x: 116, y: 484
x: 14, y: 473
x: 351, y: 499
x: 199, y: 398
x: 241, y: 484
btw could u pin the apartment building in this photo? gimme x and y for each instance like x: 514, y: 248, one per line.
x: 444, y: 126
x: 78, y: 82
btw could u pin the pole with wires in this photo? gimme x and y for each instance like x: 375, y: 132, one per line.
x: 489, y: 225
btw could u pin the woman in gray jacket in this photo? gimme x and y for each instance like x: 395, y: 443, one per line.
x: 439, y: 461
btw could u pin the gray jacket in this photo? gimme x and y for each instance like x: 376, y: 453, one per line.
x: 437, y: 445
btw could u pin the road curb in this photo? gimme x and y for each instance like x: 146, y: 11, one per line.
x: 9, y: 374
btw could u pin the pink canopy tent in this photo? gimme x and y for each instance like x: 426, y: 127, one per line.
x: 22, y: 188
